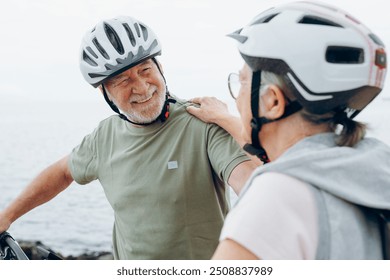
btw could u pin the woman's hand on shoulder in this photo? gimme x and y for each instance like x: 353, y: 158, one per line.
x: 209, y: 109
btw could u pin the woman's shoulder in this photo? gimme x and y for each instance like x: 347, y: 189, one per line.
x: 279, y: 214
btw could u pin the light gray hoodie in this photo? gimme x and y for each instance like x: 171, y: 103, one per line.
x: 342, y: 178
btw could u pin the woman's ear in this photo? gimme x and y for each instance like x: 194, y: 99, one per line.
x: 273, y: 102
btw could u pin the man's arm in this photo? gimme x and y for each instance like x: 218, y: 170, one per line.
x: 43, y: 188
x: 212, y: 110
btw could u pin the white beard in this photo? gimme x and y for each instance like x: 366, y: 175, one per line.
x: 149, y: 113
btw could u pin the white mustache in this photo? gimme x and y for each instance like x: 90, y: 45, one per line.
x: 145, y: 97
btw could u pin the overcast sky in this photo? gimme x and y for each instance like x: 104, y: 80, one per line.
x: 40, y: 41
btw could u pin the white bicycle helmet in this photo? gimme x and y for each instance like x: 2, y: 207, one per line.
x: 115, y: 45
x: 332, y: 60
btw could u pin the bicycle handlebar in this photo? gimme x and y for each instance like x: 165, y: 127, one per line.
x: 10, y: 249
x: 47, y: 254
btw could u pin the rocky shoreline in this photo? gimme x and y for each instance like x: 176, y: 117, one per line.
x: 31, y: 250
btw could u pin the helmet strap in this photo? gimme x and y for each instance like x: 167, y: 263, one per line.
x: 257, y: 122
x: 165, y: 111
x: 255, y: 148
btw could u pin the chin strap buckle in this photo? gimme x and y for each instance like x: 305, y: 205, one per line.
x: 259, y: 152
x: 165, y: 112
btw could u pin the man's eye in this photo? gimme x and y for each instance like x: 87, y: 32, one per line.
x: 146, y: 69
x: 122, y: 82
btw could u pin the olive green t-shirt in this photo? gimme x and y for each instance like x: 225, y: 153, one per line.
x: 165, y: 182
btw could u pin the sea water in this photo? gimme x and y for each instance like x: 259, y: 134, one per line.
x: 33, y: 136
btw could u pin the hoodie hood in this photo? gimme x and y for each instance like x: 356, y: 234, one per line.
x: 360, y: 174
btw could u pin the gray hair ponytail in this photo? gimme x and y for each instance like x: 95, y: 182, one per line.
x: 348, y: 131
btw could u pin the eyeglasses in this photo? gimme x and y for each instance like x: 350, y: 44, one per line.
x: 234, y: 84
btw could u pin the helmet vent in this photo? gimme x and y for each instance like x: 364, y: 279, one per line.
x: 100, y: 48
x: 89, y: 49
x: 137, y: 29
x: 144, y: 32
x: 318, y: 21
x: 114, y: 39
x: 265, y: 19
x: 88, y: 60
x: 344, y: 55
x: 130, y: 34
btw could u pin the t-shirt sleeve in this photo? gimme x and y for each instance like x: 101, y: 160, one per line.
x: 276, y: 218
x: 223, y: 151
x: 83, y: 161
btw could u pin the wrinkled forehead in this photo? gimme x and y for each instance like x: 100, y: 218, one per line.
x: 132, y: 69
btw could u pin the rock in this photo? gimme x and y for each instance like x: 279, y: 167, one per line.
x: 92, y: 256
x: 33, y: 253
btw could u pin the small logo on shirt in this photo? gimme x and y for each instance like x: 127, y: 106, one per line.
x: 173, y: 165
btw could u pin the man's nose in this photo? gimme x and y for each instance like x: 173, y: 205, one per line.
x: 139, y: 86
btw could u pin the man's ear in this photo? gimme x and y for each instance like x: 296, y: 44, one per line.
x: 160, y: 66
x: 100, y: 87
x: 274, y: 102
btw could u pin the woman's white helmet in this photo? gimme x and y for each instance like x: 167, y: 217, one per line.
x: 331, y: 59
x: 115, y: 45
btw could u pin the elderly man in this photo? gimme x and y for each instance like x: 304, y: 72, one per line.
x: 164, y: 172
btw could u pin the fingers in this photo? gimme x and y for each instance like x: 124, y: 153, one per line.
x: 206, y: 100
x: 192, y: 110
x: 196, y: 100
x: 198, y: 113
